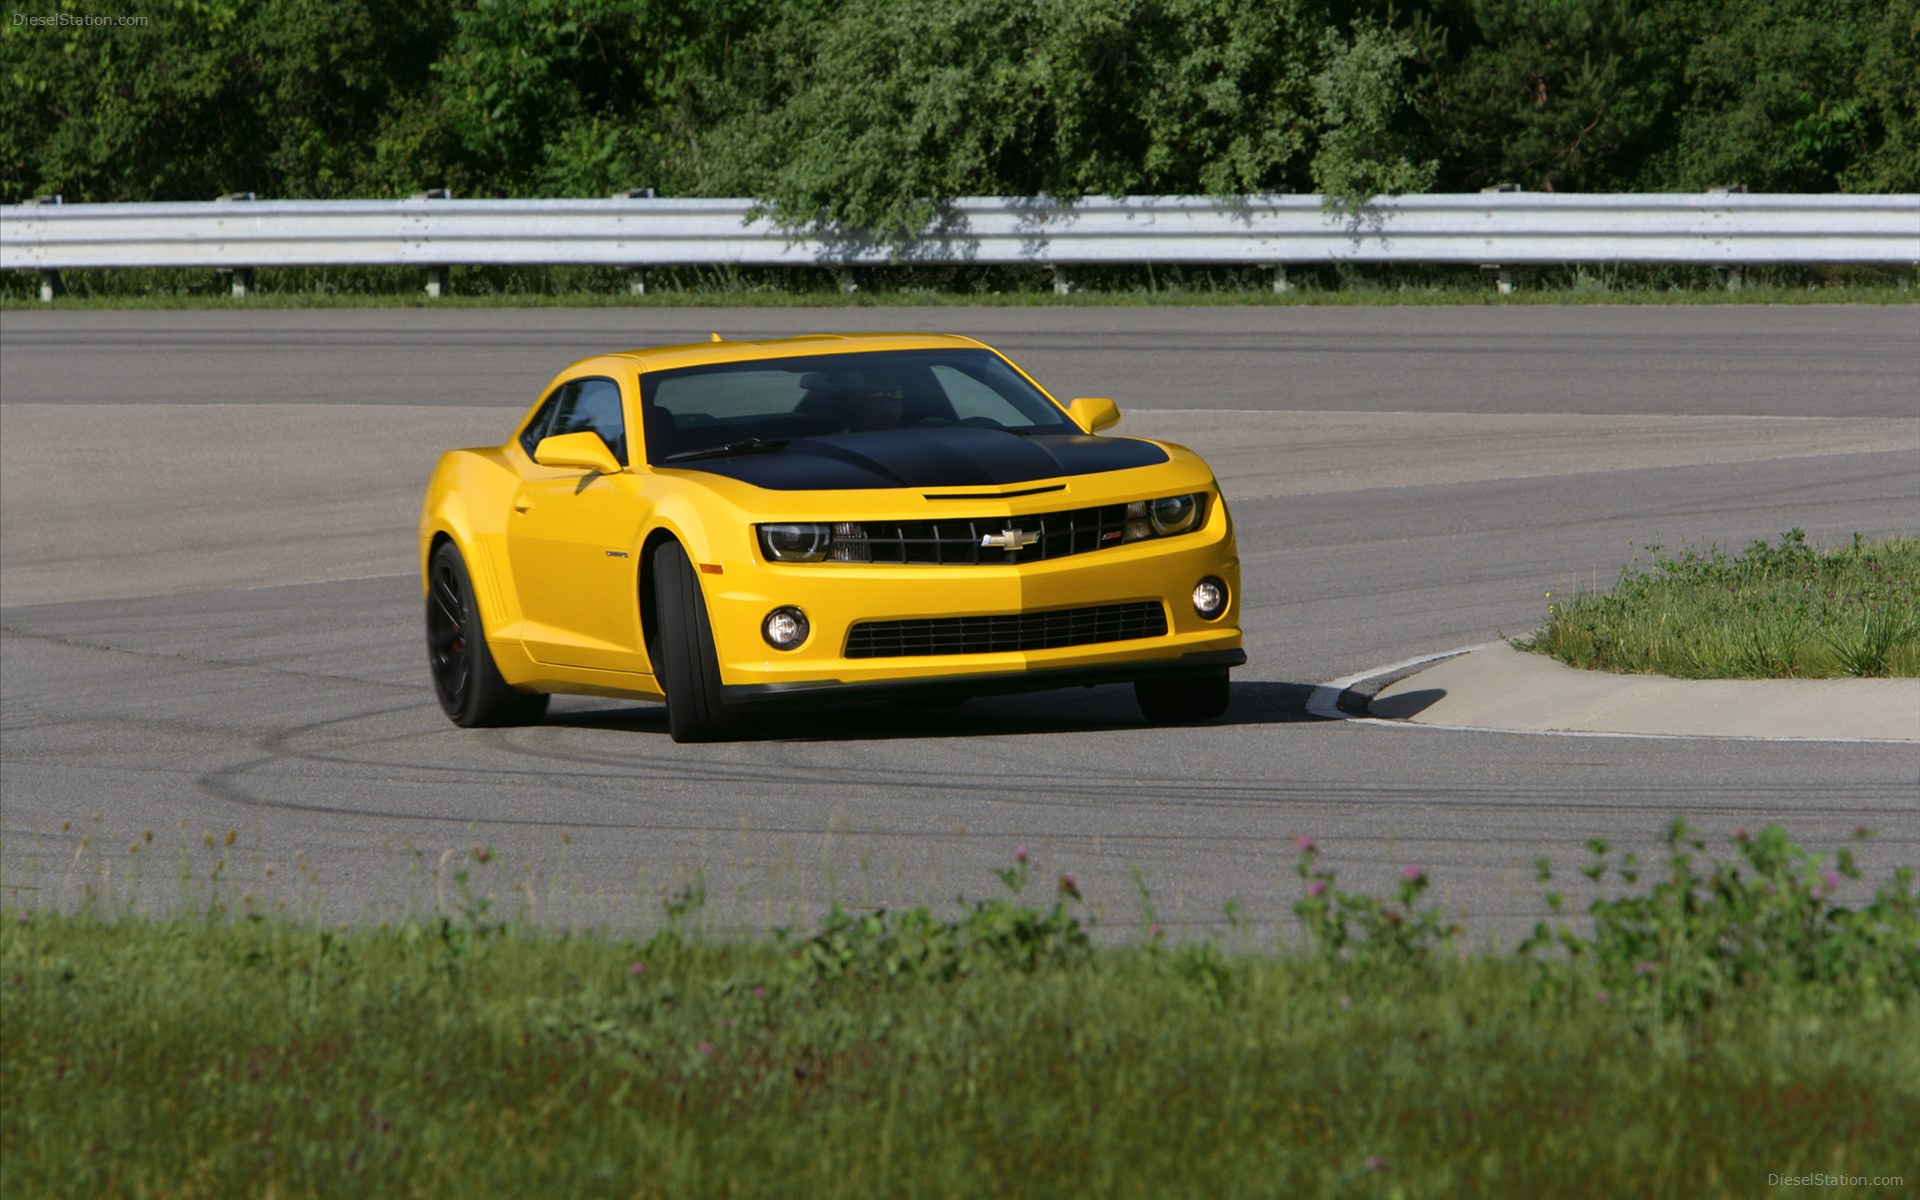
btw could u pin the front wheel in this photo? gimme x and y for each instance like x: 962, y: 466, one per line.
x: 688, y: 661
x: 465, y: 678
x: 1182, y: 701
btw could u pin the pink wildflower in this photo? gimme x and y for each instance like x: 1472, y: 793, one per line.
x: 1305, y: 844
x: 638, y: 968
x: 1019, y: 854
x: 1346, y: 1002
x: 1643, y: 968
x: 1601, y: 997
x: 1410, y: 871
x: 1317, y: 888
x: 706, y: 1047
x: 481, y: 854
x: 1832, y: 880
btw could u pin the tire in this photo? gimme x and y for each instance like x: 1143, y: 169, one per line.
x: 1182, y: 701
x: 469, y: 685
x: 688, y: 663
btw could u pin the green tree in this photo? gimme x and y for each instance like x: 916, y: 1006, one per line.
x: 1802, y: 96
x: 868, y: 119
x: 280, y: 97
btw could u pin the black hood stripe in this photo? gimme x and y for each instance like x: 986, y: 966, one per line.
x: 926, y: 458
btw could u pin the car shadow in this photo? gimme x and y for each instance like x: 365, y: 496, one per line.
x: 1095, y: 710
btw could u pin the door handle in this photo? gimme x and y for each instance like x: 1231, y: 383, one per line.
x: 522, y: 504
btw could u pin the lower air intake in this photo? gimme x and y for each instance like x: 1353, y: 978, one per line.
x: 1011, y: 631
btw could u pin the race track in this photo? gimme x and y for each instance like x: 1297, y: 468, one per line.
x: 210, y: 616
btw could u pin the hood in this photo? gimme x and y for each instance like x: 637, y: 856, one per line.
x: 922, y: 458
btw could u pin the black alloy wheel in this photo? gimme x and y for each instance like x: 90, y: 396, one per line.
x: 465, y: 678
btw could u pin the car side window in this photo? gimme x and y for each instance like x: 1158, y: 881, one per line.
x: 537, y: 428
x: 593, y: 406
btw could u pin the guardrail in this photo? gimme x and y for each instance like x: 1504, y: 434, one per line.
x: 1493, y: 228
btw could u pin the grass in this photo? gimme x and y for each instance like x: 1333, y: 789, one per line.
x: 999, y: 1052
x: 1771, y: 612
x: 1136, y: 285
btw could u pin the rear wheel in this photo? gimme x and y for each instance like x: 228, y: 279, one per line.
x: 465, y: 678
x: 1182, y: 701
x: 688, y: 662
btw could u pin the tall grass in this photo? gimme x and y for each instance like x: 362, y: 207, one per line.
x: 1772, y: 612
x: 998, y: 1052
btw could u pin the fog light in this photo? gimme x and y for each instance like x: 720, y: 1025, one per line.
x: 784, y: 628
x: 1210, y: 597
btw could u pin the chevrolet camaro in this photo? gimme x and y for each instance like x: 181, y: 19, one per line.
x: 730, y: 526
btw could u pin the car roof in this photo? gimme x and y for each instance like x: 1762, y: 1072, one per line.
x: 695, y: 354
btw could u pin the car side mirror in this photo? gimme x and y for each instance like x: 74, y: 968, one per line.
x: 1094, y: 413
x: 582, y: 450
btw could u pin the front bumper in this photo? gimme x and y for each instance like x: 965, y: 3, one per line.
x: 836, y: 596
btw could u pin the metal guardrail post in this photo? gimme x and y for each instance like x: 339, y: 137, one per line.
x: 51, y: 285
x: 439, y: 278
x: 637, y: 275
x: 1061, y: 284
x: 241, y: 281
x: 1732, y: 276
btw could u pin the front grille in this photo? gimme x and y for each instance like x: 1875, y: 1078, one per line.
x: 957, y: 540
x: 1011, y: 631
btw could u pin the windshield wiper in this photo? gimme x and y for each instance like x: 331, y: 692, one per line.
x: 752, y: 445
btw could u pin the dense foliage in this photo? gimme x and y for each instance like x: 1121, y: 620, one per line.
x: 866, y: 114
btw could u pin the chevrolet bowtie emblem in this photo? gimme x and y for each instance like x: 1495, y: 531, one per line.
x: 1010, y: 539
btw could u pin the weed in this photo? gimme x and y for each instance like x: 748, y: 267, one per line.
x: 1772, y: 612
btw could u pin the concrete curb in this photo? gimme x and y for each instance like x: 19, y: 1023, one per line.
x: 1498, y: 687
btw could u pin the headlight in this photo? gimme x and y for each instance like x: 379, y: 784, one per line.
x: 796, y: 543
x: 1166, y: 516
x: 844, y: 542
x: 1174, y: 514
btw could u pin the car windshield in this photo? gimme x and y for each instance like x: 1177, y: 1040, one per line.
x: 756, y: 407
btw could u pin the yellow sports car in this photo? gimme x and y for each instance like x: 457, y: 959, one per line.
x: 730, y: 525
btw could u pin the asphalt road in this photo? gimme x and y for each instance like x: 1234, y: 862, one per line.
x: 205, y: 524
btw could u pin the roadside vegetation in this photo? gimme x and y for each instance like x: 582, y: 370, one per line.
x: 1770, y: 612
x: 868, y: 115
x: 1701, y: 1025
x: 860, y: 122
